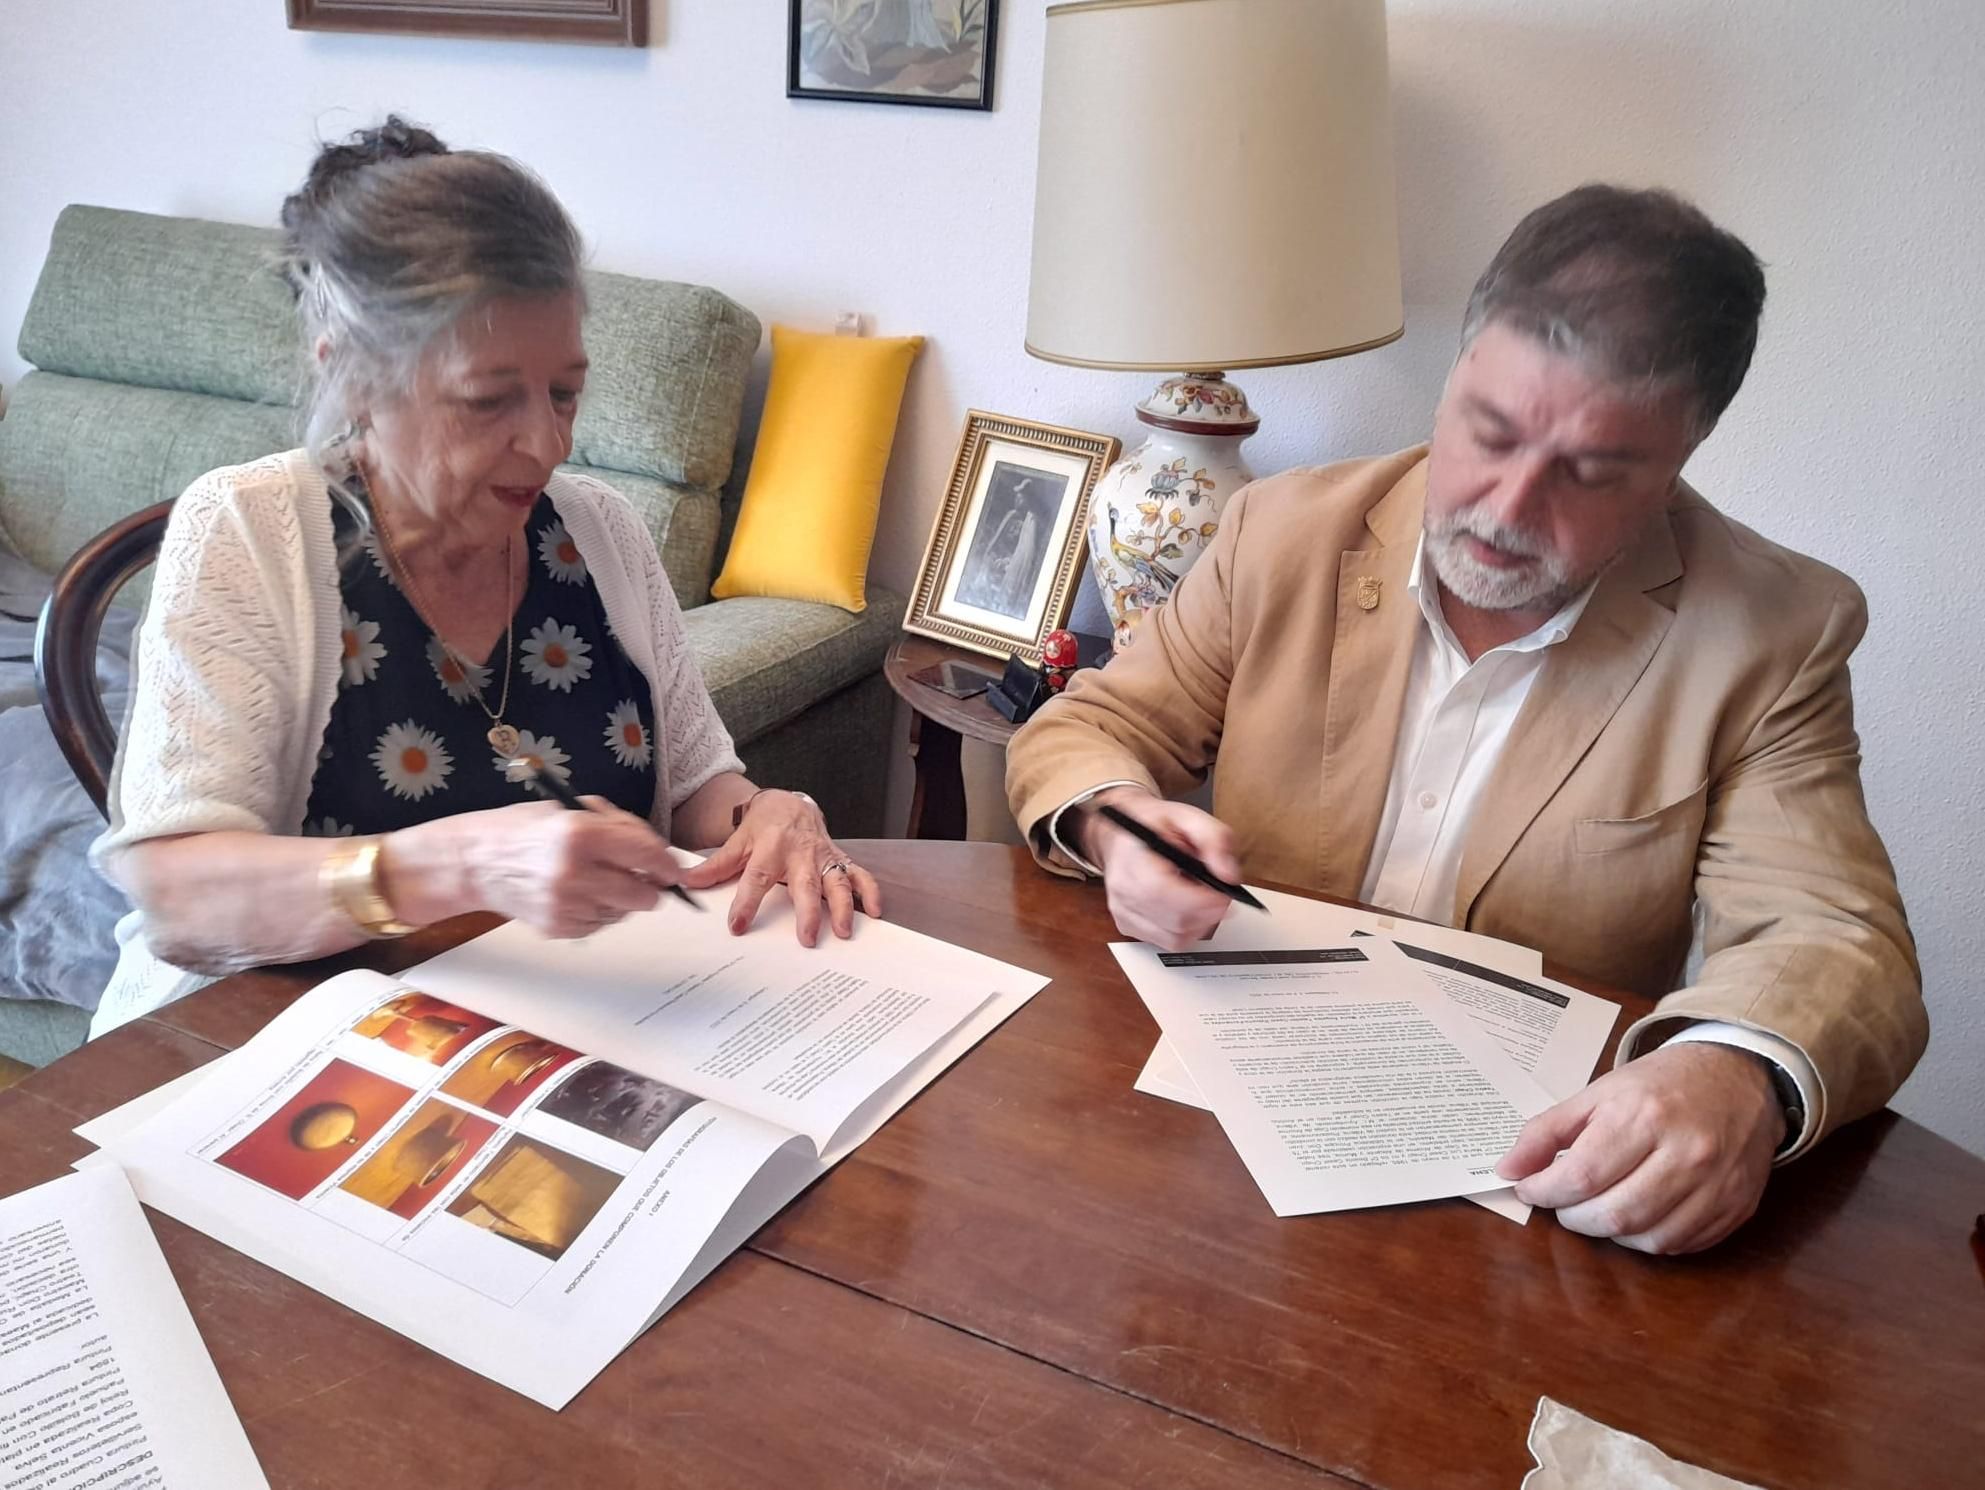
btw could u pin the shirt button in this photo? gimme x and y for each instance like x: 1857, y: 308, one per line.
x: 1429, y: 801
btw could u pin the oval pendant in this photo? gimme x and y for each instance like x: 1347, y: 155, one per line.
x: 504, y: 739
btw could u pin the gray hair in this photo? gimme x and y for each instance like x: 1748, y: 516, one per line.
x: 389, y: 242
x: 1639, y: 285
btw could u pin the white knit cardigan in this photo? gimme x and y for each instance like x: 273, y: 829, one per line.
x: 238, y: 659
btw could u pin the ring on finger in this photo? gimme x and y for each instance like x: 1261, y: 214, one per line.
x: 835, y: 866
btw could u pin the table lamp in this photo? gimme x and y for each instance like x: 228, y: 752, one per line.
x: 1214, y: 193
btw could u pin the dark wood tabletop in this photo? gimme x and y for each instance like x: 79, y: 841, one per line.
x: 1035, y: 1276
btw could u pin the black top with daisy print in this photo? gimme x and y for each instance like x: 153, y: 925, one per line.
x: 408, y: 743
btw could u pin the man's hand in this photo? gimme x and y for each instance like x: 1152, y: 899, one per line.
x: 1668, y: 1153
x: 1149, y: 899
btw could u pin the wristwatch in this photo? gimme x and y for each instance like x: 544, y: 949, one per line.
x: 738, y: 812
x: 351, y: 876
x: 1789, y: 1102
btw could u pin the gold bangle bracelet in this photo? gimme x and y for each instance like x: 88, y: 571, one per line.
x: 350, y: 875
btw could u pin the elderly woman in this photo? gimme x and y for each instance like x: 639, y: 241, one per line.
x: 352, y: 646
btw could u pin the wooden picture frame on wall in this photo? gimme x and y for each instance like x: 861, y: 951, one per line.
x: 606, y: 23
x: 1007, y: 549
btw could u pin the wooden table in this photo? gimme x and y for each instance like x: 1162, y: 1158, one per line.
x: 938, y: 722
x: 1035, y: 1276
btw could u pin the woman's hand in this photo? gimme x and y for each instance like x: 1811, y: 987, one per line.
x: 783, y: 840
x: 565, y: 873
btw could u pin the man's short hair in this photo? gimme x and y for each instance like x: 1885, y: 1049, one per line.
x: 1640, y: 285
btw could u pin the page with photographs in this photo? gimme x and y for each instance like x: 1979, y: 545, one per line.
x: 509, y: 1201
x: 827, y: 1040
x: 1343, y: 1077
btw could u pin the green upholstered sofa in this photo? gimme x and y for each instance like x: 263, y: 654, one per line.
x: 163, y: 347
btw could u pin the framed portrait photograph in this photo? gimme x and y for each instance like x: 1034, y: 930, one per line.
x: 937, y: 53
x: 1007, y: 549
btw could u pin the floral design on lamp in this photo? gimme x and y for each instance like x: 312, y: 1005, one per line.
x: 1155, y: 510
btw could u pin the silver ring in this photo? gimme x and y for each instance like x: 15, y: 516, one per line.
x: 840, y: 864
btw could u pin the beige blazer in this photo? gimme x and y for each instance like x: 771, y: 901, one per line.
x: 1689, y: 748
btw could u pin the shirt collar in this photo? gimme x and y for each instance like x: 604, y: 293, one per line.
x: 1425, y: 588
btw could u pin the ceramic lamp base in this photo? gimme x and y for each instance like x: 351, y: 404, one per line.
x: 1156, y: 509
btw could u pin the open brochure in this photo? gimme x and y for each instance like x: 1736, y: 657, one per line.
x: 524, y: 1152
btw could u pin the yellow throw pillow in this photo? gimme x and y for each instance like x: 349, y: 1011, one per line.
x: 807, y: 522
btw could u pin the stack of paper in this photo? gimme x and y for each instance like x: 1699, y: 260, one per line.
x: 1357, y: 1060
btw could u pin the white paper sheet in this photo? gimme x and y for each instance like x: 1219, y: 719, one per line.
x: 103, y: 1379
x: 1552, y: 1030
x: 1342, y: 1075
x: 674, y: 995
x: 1298, y: 921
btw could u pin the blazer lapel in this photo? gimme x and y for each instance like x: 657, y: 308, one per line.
x: 1584, y: 681
x: 1369, y: 662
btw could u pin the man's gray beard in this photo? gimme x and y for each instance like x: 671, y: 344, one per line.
x: 1543, y: 584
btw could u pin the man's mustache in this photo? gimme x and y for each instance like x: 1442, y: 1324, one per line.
x: 1499, y: 536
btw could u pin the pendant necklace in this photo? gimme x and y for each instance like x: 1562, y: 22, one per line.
x: 503, y: 738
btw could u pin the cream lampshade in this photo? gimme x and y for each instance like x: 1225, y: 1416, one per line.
x: 1214, y: 192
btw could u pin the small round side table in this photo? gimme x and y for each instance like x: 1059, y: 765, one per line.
x: 937, y: 723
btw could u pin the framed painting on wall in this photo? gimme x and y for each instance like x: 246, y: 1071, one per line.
x: 938, y: 53
x: 1001, y: 567
x: 610, y: 23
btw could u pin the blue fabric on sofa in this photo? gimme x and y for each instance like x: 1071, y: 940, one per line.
x: 55, y: 911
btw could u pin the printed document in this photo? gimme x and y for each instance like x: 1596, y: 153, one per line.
x: 104, y: 1382
x: 1342, y: 1075
x: 1554, y: 1031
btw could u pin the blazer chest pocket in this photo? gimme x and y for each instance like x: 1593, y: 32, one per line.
x: 1681, y: 818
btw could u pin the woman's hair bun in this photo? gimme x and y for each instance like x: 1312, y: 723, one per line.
x: 394, y: 139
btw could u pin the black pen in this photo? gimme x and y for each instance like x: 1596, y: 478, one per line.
x: 1178, y: 858
x: 521, y: 769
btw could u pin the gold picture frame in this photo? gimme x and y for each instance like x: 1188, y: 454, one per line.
x: 1007, y: 549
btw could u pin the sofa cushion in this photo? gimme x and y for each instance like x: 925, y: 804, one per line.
x: 684, y: 520
x: 76, y: 455
x: 767, y: 661
x: 666, y: 387
x: 175, y: 302
x: 810, y: 507
x: 164, y: 302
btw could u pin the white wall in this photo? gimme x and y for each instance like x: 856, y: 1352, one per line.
x: 1841, y: 137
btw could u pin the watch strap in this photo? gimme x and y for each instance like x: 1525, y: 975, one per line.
x: 738, y: 812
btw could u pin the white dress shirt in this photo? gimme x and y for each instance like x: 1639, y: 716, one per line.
x: 1453, y: 729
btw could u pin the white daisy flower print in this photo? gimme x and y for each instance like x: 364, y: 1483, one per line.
x: 412, y: 761
x: 462, y: 680
x: 561, y: 555
x: 327, y: 827
x: 627, y: 736
x: 362, y: 648
x: 556, y: 656
x: 540, y: 753
x: 377, y: 554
